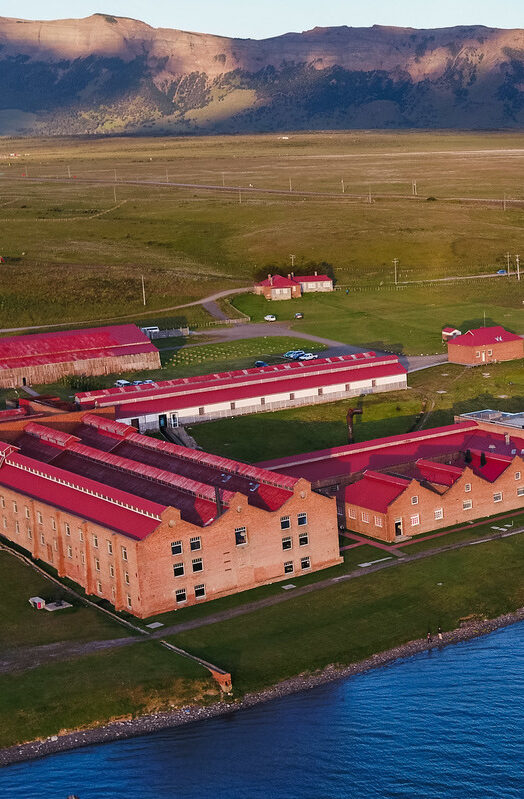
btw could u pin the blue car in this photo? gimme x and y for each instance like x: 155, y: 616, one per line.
x: 261, y: 363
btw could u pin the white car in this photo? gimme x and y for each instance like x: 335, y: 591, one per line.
x: 270, y: 317
x: 122, y: 383
x: 307, y: 356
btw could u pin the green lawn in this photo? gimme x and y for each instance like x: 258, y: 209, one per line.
x: 355, y: 619
x: 21, y: 625
x: 405, y: 320
x: 95, y: 689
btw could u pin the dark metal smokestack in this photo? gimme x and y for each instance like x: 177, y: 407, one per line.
x: 218, y: 500
x: 349, y: 419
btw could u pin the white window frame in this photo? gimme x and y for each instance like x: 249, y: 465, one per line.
x: 364, y: 517
x: 178, y: 593
x: 302, y: 519
x: 498, y: 496
x: 467, y: 488
x: 415, y: 520
x: 414, y: 500
x: 378, y: 521
x: 178, y: 566
x: 352, y: 514
x: 197, y: 540
x: 197, y: 562
x: 289, y: 567
x: 467, y: 504
x: 203, y: 588
x: 123, y: 551
x: 285, y: 523
x: 303, y: 535
x: 287, y: 539
x: 517, y: 475
x: 439, y: 513
x: 241, y: 531
x: 520, y: 491
x: 176, y: 544
x: 305, y: 563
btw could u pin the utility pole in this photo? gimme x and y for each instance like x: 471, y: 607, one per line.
x: 395, y: 264
x: 343, y: 187
x: 504, y: 202
x: 68, y: 171
x: 290, y: 186
x: 517, y: 261
x: 167, y: 175
x: 508, y: 257
x: 115, y: 175
x: 143, y: 290
x: 414, y: 188
x: 369, y: 196
x: 223, y: 180
x: 114, y: 193
x: 292, y: 260
x: 240, y: 196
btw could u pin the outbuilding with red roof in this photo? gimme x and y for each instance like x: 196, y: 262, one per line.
x: 276, y: 287
x: 485, y: 345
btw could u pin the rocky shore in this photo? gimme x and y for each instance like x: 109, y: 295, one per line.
x: 185, y: 715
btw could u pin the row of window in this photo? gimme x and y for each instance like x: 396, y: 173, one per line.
x: 195, y: 543
x: 303, y: 540
x: 285, y: 521
x: 100, y: 590
x: 197, y: 565
x: 467, y: 489
x: 305, y: 563
x: 181, y: 594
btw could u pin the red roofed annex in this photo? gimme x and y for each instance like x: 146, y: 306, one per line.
x: 401, y: 486
x: 150, y: 525
x: 276, y: 287
x: 485, y: 345
x: 46, y: 357
x: 197, y: 399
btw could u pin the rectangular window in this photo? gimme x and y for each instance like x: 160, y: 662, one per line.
x: 195, y: 543
x: 467, y: 488
x: 26, y: 512
x: 53, y: 524
x: 352, y: 513
x: 200, y: 591
x: 305, y: 563
x: 497, y: 497
x: 439, y: 513
x: 42, y: 538
x: 414, y: 500
x: 129, y: 603
x: 232, y: 406
x: 490, y: 352
x: 126, y: 578
x: 287, y: 542
x: 285, y: 523
x: 99, y: 587
x: 288, y: 567
x: 517, y: 475
x: 176, y: 547
x: 17, y: 527
x: 82, y: 559
x: 39, y: 517
x: 292, y: 396
x: 467, y: 504
x: 124, y: 553
x: 97, y: 564
x: 111, y: 570
x: 320, y: 392
x: 378, y: 521
x: 198, y: 564
x: 477, y: 355
x: 303, y: 539
x: 302, y: 519
x: 200, y: 413
x: 15, y: 507
x: 95, y: 541
x: 80, y: 535
x: 178, y: 569
x: 110, y: 547
x: 520, y: 491
x: 67, y: 530
x: 5, y: 521
x: 180, y: 596
x: 69, y: 552
x: 364, y: 517
x: 240, y: 536
x: 29, y: 533
x: 415, y: 520
x: 2, y: 502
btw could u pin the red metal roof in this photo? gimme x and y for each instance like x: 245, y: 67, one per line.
x: 311, y: 278
x: 439, y: 473
x: 375, y: 491
x: 485, y: 335
x: 73, y: 345
x: 278, y: 282
x: 287, y: 384
x: 11, y: 414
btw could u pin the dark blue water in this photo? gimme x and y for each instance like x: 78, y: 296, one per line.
x: 448, y: 723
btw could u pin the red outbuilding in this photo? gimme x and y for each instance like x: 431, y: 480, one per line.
x: 485, y: 345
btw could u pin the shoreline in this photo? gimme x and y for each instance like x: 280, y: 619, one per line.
x: 144, y: 725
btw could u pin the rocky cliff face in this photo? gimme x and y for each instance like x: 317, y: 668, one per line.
x: 108, y: 74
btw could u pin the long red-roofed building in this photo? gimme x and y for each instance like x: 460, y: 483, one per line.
x: 404, y: 485
x: 47, y: 357
x: 197, y: 399
x: 485, y: 345
x: 149, y: 525
x: 277, y: 287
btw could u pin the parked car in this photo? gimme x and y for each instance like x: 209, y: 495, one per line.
x: 307, y: 356
x: 270, y: 317
x: 261, y: 363
x: 137, y: 382
x: 122, y: 383
x: 148, y: 381
x: 292, y: 355
x: 299, y: 315
x: 501, y: 272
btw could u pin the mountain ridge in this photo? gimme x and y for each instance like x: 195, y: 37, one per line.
x: 106, y: 74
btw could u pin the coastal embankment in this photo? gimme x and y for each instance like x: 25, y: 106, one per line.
x: 470, y: 628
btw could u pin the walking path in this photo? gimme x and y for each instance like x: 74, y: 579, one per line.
x: 23, y: 659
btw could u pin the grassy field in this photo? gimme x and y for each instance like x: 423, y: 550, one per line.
x: 260, y: 437
x: 94, y: 689
x: 21, y: 625
x: 353, y: 620
x: 74, y: 253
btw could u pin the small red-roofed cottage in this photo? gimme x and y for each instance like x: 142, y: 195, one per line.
x: 485, y: 345
x: 450, y: 332
x: 314, y: 282
x: 276, y: 287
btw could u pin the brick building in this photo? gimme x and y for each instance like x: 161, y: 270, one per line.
x: 151, y: 526
x: 419, y: 482
x: 485, y: 345
x: 46, y: 357
x: 276, y: 287
x: 198, y: 399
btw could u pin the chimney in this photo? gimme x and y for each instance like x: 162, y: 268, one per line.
x: 349, y: 419
x: 270, y: 280
x: 218, y: 501
x: 289, y: 277
x: 292, y: 274
x: 506, y: 439
x: 316, y: 273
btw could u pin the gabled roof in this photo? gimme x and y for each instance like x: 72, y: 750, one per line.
x: 450, y: 330
x: 485, y: 335
x: 278, y: 282
x: 439, y: 473
x: 312, y: 278
x: 376, y: 491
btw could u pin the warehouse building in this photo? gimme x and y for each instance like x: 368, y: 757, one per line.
x: 398, y: 487
x: 198, y: 399
x: 47, y: 357
x: 151, y: 526
x: 485, y: 345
